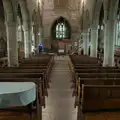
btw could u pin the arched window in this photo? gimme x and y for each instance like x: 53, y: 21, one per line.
x: 60, y: 31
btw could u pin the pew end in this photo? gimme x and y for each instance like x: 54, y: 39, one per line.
x: 100, y: 98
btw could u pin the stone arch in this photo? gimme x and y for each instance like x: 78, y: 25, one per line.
x: 19, y: 14
x: 2, y: 13
x: 25, y: 13
x: 3, y: 47
x: 100, y: 26
x: 9, y: 11
x: 86, y: 19
x: 34, y: 16
x: 34, y: 21
x: 8, y: 15
x: 116, y: 16
x: 2, y: 20
x: 96, y: 13
x: 26, y: 27
x: 114, y: 9
x: 55, y: 23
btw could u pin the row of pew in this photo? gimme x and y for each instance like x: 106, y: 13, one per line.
x: 96, y: 88
x: 37, y: 70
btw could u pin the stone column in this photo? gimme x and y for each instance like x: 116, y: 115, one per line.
x: 86, y: 43
x: 79, y: 49
x: 40, y: 35
x: 80, y: 42
x: 109, y: 39
x: 12, y: 46
x: 94, y: 42
x: 27, y: 43
x: 37, y: 37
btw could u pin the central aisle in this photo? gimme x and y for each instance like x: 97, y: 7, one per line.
x: 60, y: 104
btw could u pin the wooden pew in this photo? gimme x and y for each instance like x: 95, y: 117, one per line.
x: 43, y: 60
x: 27, y: 109
x: 99, y: 102
x: 17, y: 70
x: 94, y: 81
x: 94, y: 75
x: 83, y: 60
x: 28, y: 75
x: 93, y: 67
x: 101, y: 70
x: 97, y: 98
x: 35, y: 62
x: 99, y: 75
x: 94, y: 70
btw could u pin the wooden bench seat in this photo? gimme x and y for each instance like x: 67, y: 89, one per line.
x: 18, y: 70
x: 96, y: 98
x: 28, y: 75
x: 83, y: 60
x: 99, y: 81
x: 94, y: 75
x: 99, y: 75
x: 93, y: 67
x: 32, y: 67
x: 86, y: 65
x: 95, y: 81
x: 101, y: 70
x: 43, y: 60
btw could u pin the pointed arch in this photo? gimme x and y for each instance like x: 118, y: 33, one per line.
x: 86, y: 19
x: 61, y: 29
x: 96, y: 13
x: 25, y: 13
x: 8, y: 8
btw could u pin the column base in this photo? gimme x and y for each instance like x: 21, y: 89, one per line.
x: 13, y: 65
x: 93, y: 55
x: 108, y: 64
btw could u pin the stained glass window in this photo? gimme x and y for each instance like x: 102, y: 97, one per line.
x: 61, y: 31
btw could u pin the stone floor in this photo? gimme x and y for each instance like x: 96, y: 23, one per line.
x: 59, y: 104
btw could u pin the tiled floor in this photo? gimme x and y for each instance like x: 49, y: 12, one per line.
x: 60, y: 104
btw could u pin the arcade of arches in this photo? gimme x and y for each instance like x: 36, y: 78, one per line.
x: 81, y: 27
